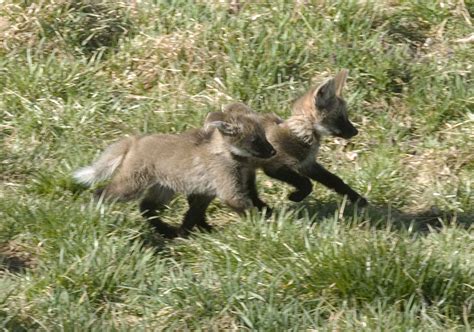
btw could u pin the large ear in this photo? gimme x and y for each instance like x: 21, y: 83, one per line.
x: 224, y: 127
x: 340, y: 80
x: 237, y: 108
x: 211, y: 117
x: 325, y: 94
x: 215, y: 116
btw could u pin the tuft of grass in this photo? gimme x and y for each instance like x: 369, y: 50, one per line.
x: 81, y: 27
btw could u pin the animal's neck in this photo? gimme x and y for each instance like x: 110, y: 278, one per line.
x: 217, y: 144
x: 240, y: 159
x: 303, y: 129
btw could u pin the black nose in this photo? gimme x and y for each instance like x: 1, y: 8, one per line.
x: 349, y: 133
x: 268, y: 152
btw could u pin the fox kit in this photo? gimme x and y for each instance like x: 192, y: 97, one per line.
x: 321, y: 111
x: 201, y: 164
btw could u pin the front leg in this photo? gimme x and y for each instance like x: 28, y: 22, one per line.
x: 251, y: 186
x: 300, y: 182
x: 318, y: 173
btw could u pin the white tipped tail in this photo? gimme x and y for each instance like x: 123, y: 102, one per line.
x: 85, y: 175
x: 97, y: 172
x: 104, y: 167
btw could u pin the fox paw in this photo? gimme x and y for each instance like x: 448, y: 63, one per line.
x: 205, y: 227
x: 167, y: 231
x: 361, y: 202
x: 297, y: 196
x: 170, y: 233
x: 268, y: 212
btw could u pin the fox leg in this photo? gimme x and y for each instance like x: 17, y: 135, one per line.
x: 119, y: 190
x: 318, y: 173
x: 155, y: 200
x: 126, y: 185
x: 237, y: 202
x: 239, y: 205
x: 234, y: 193
x: 196, y: 214
x: 253, y: 193
x: 301, y: 183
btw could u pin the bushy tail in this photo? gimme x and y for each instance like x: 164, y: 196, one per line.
x: 104, y: 167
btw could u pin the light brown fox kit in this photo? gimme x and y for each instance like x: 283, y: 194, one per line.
x: 321, y: 111
x: 200, y: 163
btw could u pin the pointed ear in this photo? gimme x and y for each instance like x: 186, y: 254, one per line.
x: 214, y: 116
x: 211, y: 117
x: 340, y: 80
x: 325, y: 94
x: 225, y: 128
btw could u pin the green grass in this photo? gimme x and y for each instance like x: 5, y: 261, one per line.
x: 77, y: 77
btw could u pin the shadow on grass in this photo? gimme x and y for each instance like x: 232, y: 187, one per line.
x: 432, y: 218
x: 378, y: 216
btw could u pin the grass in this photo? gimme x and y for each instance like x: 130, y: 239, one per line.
x: 77, y: 77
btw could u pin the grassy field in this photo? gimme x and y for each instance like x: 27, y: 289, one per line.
x: 76, y: 76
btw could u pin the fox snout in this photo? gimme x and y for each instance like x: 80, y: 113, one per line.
x: 348, y: 132
x: 342, y: 127
x: 272, y: 152
x: 266, y: 153
x: 263, y: 149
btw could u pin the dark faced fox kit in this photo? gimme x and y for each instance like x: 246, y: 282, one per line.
x: 220, y: 159
x: 321, y: 111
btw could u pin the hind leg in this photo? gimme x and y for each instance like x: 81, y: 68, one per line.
x: 119, y: 190
x: 155, y: 200
x: 196, y: 214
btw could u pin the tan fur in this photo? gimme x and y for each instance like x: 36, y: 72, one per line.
x: 204, y: 168
x: 320, y: 111
x: 298, y: 139
x: 295, y: 144
x: 340, y: 80
x: 197, y: 162
x: 305, y: 105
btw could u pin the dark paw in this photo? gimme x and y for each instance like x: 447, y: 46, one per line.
x: 261, y: 206
x: 98, y: 193
x: 205, y: 227
x: 361, y: 202
x: 268, y: 212
x: 167, y: 231
x: 171, y: 234
x: 297, y: 196
x: 183, y: 233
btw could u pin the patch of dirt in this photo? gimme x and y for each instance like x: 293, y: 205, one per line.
x: 15, y: 258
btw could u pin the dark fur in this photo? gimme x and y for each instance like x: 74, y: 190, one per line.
x: 297, y: 141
